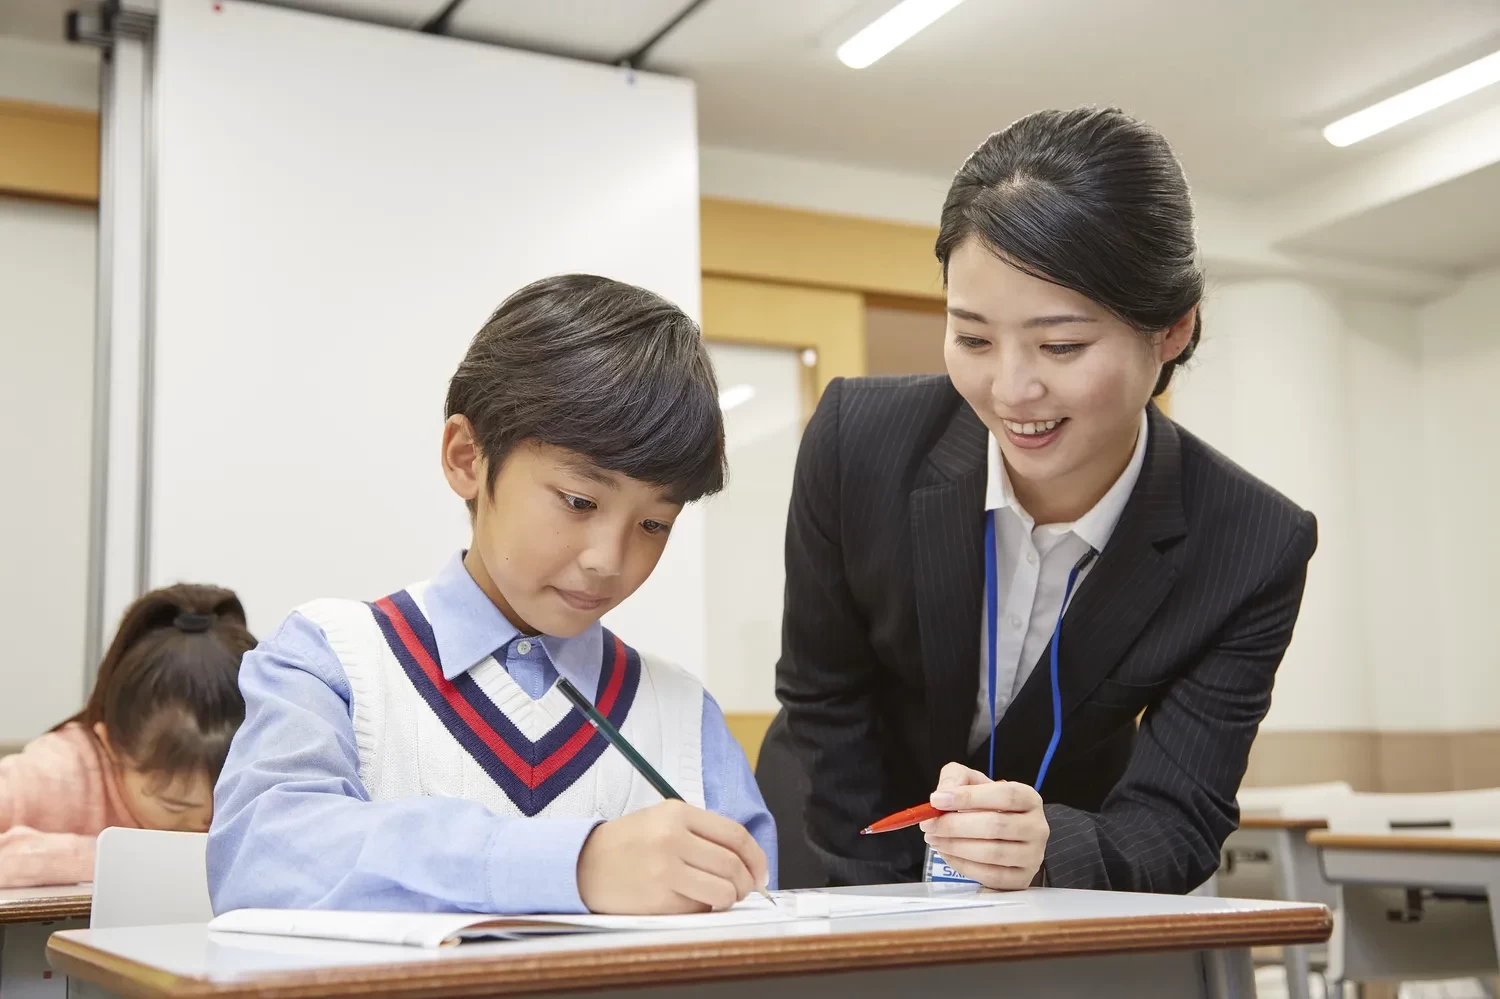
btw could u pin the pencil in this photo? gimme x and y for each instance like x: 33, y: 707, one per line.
x: 614, y: 738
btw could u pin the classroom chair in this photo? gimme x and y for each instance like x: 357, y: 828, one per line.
x: 144, y: 877
x: 1406, y: 932
x: 1275, y: 862
x: 1291, y: 801
x: 1479, y: 809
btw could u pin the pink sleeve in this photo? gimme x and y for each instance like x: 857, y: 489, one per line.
x: 29, y: 858
x: 51, y: 808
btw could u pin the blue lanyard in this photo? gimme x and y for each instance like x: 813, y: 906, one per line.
x: 992, y: 596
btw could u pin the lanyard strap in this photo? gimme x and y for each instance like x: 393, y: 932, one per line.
x: 992, y: 626
x: 992, y: 598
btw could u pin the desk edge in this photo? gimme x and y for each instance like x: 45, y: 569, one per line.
x: 1277, y: 822
x: 46, y: 910
x: 1414, y: 842
x: 720, y: 960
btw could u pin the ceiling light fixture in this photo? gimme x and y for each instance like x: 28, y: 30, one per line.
x: 891, y: 29
x: 1418, y: 100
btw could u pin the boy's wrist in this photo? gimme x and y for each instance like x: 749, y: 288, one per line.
x: 532, y: 864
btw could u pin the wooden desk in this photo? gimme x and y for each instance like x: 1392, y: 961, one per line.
x: 41, y: 905
x: 1053, y: 942
x: 1276, y: 822
x: 1374, y: 870
x: 28, y: 916
x: 1294, y: 875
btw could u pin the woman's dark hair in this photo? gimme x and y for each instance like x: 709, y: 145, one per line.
x: 604, y: 369
x: 1089, y: 199
x: 168, y: 688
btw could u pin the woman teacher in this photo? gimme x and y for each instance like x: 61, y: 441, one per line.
x: 1125, y: 565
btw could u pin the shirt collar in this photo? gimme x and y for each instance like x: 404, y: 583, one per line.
x: 1094, y: 527
x: 469, y: 628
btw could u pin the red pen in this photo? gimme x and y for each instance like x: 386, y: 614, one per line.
x: 902, y: 820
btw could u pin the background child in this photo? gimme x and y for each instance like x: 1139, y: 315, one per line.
x: 146, y: 749
x: 415, y: 754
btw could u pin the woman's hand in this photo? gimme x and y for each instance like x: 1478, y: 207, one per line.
x: 995, y: 832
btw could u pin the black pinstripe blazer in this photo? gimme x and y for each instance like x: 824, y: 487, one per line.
x: 1186, y: 614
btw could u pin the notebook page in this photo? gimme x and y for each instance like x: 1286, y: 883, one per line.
x: 437, y: 929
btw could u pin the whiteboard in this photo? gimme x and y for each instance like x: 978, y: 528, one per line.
x: 339, y: 208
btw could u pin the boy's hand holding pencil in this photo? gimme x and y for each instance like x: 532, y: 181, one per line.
x: 669, y: 858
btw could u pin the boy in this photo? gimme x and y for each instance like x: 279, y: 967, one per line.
x: 414, y: 754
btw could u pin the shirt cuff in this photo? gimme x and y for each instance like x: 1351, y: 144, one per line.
x: 533, y: 865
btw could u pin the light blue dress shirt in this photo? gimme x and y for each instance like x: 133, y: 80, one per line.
x: 294, y: 827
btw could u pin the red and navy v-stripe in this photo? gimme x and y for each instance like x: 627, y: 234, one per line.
x: 532, y: 774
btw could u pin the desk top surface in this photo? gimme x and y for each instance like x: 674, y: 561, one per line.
x: 37, y: 905
x: 190, y: 961
x: 1480, y: 841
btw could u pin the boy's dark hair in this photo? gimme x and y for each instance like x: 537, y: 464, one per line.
x: 1092, y: 200
x: 168, y: 688
x: 607, y: 370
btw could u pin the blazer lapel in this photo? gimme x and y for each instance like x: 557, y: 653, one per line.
x: 947, y: 524
x: 1133, y: 575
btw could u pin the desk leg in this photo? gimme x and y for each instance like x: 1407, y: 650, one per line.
x: 1492, y: 889
x: 1288, y: 861
x: 1228, y: 974
x: 24, y: 972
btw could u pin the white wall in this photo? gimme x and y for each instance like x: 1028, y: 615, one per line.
x: 813, y: 185
x: 330, y: 237
x: 46, y: 384
x: 49, y: 73
x: 1460, y: 419
x: 1379, y: 417
x: 746, y: 523
x: 47, y: 266
x: 1270, y: 388
x: 1392, y: 564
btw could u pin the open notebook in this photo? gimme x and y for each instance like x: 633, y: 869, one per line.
x: 444, y: 929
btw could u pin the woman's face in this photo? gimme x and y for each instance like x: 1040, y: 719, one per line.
x: 1057, y: 378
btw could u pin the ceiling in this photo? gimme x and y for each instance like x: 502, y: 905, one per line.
x: 1240, y: 87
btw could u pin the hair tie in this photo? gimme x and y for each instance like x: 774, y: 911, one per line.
x: 193, y: 623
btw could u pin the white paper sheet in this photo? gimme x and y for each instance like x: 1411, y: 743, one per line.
x: 445, y: 929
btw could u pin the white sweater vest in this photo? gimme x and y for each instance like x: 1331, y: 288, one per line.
x: 481, y: 737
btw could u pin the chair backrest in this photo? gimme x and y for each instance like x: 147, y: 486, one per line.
x: 1294, y: 801
x: 1443, y: 809
x: 144, y: 877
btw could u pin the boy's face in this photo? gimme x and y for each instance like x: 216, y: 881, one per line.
x: 558, y: 542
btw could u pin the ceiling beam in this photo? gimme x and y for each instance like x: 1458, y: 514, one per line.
x: 1442, y: 155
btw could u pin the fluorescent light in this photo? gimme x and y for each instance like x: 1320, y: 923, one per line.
x: 891, y: 29
x: 1418, y: 100
x: 736, y: 395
